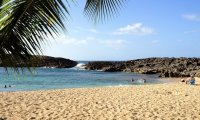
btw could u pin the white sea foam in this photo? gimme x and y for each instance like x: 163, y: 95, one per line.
x: 79, y: 66
x: 48, y: 67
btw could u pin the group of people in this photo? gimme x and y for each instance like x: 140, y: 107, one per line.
x: 191, y: 80
x: 138, y: 80
x: 6, y: 86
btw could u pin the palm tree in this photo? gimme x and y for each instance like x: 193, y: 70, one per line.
x: 25, y: 24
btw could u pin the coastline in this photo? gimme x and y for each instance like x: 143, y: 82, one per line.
x: 167, y: 101
x: 164, y: 81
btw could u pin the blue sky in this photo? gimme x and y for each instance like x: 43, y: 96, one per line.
x: 144, y: 28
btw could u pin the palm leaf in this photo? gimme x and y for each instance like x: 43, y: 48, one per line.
x: 101, y: 10
x: 24, y: 25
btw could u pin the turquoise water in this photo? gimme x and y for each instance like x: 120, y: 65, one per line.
x: 56, y: 78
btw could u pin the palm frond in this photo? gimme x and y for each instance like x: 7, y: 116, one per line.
x: 101, y: 10
x: 24, y: 25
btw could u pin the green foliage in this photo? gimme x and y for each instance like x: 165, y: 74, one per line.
x: 24, y: 25
x: 101, y: 10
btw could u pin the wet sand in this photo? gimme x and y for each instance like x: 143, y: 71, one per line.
x: 160, y: 101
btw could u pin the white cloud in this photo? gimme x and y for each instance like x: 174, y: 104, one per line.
x: 74, y: 41
x: 114, y: 44
x: 67, y: 40
x: 134, y: 29
x: 191, y: 17
x: 87, y: 41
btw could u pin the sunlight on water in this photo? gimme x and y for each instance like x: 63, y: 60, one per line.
x: 77, y: 77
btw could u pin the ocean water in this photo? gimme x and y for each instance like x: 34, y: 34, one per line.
x: 77, y: 77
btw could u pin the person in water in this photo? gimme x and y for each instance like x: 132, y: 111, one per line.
x: 132, y: 80
x: 139, y: 80
x: 191, y: 80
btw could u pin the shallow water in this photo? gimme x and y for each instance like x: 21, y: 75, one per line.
x: 56, y: 78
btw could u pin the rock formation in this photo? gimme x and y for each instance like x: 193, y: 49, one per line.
x: 47, y: 61
x: 165, y: 67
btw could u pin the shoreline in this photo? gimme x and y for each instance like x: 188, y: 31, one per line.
x: 167, y: 101
x: 172, y: 80
x: 169, y: 80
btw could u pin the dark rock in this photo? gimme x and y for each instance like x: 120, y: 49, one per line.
x: 197, y: 74
x: 166, y: 67
x: 100, y: 65
x: 111, y: 69
x: 47, y: 61
x: 56, y: 62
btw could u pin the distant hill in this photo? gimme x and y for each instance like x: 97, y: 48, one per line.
x: 47, y: 61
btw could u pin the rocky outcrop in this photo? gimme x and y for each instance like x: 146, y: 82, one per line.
x: 105, y: 66
x: 165, y: 67
x: 57, y: 62
x: 47, y: 61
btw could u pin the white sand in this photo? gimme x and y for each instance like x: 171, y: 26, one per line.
x: 164, y: 101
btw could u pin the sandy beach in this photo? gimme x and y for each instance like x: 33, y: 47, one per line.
x: 160, y: 101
